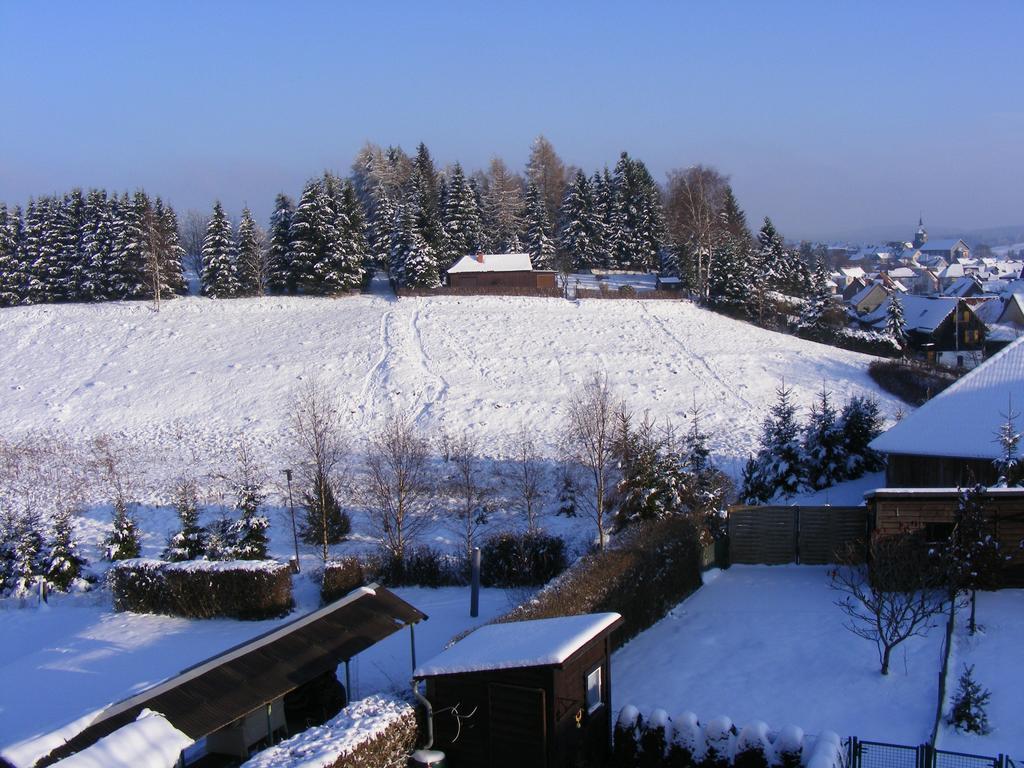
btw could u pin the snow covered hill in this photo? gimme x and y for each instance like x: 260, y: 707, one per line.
x: 184, y: 383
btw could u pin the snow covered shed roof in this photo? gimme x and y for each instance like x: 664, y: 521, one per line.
x: 962, y: 421
x: 493, y: 262
x: 208, y: 696
x: 148, y: 742
x: 537, y: 643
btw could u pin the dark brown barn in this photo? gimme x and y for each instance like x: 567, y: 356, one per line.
x: 246, y: 688
x: 932, y: 511
x: 951, y: 441
x: 499, y: 270
x: 528, y: 693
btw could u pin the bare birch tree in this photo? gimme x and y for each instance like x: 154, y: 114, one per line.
x: 527, y: 475
x: 470, y: 491
x: 589, y: 442
x: 316, y: 430
x: 193, y: 232
x: 398, y: 483
x: 694, y: 201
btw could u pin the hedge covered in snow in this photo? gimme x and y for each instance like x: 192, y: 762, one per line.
x: 203, y: 589
x: 684, y: 742
x: 341, y: 577
x: 662, y: 556
x: 375, y: 732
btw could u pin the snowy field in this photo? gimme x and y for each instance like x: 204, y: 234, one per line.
x: 995, y: 651
x: 182, y: 385
x: 768, y: 643
x: 61, y: 663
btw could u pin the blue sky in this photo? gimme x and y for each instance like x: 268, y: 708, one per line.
x: 829, y: 116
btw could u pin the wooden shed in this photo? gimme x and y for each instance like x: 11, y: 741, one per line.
x: 220, y: 700
x: 500, y: 270
x: 529, y: 693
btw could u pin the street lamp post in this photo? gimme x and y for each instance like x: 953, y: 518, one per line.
x: 291, y: 507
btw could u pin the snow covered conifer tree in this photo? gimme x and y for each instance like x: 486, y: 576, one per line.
x: 172, y: 256
x: 860, y: 423
x: 10, y: 264
x: 771, y: 255
x: 895, y: 325
x: 129, y: 250
x: 306, y: 235
x: 250, y: 262
x: 969, y: 702
x: 250, y: 530
x: 220, y: 278
x: 412, y: 259
x: 279, y: 277
x: 97, y: 245
x: 777, y: 467
x: 325, y: 522
x: 813, y: 321
x: 64, y: 563
x: 638, y: 213
x: 26, y: 553
x: 189, y: 542
x: 579, y: 225
x: 1008, y: 464
x: 123, y: 541
x: 462, y: 224
x: 538, y: 238
x: 972, y: 555
x: 607, y: 233
x: 824, y: 456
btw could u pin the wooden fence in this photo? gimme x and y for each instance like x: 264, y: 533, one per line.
x: 596, y: 293
x: 483, y: 290
x: 808, y: 535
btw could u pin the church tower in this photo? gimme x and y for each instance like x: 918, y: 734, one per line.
x: 921, y: 236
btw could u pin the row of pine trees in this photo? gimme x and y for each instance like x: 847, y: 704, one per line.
x: 403, y: 214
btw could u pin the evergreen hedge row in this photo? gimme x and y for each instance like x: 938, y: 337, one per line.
x: 203, y: 589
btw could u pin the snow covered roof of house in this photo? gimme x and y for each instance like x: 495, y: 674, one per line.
x: 537, y: 643
x: 864, y: 292
x: 962, y: 421
x: 900, y: 273
x: 148, y: 742
x: 952, y: 271
x: 852, y: 271
x: 989, y: 310
x: 962, y: 286
x: 920, y: 313
x: 943, y: 245
x: 493, y: 262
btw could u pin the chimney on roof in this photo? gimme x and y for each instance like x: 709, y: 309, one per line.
x: 480, y: 256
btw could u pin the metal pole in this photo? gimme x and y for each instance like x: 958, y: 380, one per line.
x: 291, y: 506
x: 348, y: 683
x: 474, y: 594
x: 412, y: 644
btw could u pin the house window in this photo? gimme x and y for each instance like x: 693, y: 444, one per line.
x: 967, y: 316
x: 594, y: 690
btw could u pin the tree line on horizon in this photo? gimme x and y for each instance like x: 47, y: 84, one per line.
x: 402, y: 214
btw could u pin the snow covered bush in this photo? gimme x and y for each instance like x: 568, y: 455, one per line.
x: 250, y: 530
x: 626, y: 738
x: 826, y: 752
x: 420, y: 566
x: 203, y: 589
x: 654, y: 739
x: 789, y: 746
x: 718, y: 743
x: 375, y: 732
x: 753, y: 749
x: 685, y: 743
x: 510, y: 559
x: 340, y: 577
x: 968, y: 710
x: 868, y: 342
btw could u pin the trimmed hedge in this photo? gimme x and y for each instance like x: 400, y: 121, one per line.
x: 340, y: 578
x: 203, y: 589
x: 376, y: 732
x: 643, y: 574
x: 912, y: 382
x: 521, y: 559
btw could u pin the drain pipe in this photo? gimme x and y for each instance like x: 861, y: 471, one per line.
x: 430, y: 713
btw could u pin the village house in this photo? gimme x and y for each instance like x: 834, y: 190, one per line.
x: 944, y: 328
x: 491, y: 271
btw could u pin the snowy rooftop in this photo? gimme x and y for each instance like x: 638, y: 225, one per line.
x: 149, y: 742
x: 943, y: 245
x: 493, y: 262
x: 920, y: 313
x: 538, y: 643
x: 864, y: 292
x: 962, y: 421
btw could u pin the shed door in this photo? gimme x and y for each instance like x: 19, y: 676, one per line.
x: 518, y: 726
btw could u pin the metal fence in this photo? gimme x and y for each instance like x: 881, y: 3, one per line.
x: 877, y: 754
